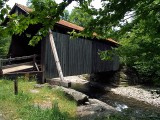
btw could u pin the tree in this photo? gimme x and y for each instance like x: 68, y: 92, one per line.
x: 138, y: 36
x: 140, y: 48
x: 4, y: 39
x: 3, y: 9
x: 49, y: 15
x: 65, y: 15
x: 105, y: 19
x: 80, y: 17
x: 141, y: 42
x: 4, y: 45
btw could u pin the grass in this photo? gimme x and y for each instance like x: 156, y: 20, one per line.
x: 34, y: 103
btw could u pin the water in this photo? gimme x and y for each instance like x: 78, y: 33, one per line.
x: 130, y: 107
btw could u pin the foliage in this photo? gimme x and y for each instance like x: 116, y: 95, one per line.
x: 106, y: 55
x: 137, y: 26
x: 3, y: 9
x: 80, y: 17
x: 26, y: 105
x: 29, y: 4
x: 141, y: 52
x: 49, y: 15
x: 4, y: 45
x: 65, y: 15
x: 141, y: 44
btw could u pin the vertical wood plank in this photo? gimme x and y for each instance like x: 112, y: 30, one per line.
x: 78, y: 56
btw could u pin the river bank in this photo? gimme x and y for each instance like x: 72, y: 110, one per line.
x: 143, y: 94
x: 137, y: 102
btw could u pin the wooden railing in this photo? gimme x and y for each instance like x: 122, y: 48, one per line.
x: 31, y: 60
x: 9, y: 62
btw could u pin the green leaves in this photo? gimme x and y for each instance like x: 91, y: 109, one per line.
x: 4, y: 45
x: 35, y: 40
x: 106, y: 55
x: 80, y: 17
x: 139, y: 36
x: 3, y: 9
x: 140, y: 47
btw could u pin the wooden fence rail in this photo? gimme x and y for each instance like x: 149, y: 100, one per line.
x: 19, y: 58
x: 6, y: 63
x: 2, y: 61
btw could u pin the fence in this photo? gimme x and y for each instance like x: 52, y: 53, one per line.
x: 17, y: 61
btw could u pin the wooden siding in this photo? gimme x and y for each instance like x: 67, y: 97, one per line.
x: 74, y: 55
x: 77, y: 56
x: 99, y: 65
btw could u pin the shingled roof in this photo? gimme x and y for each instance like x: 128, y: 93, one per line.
x: 24, y: 8
x: 61, y: 22
x: 70, y: 25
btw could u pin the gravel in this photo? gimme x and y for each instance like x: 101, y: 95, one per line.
x: 146, y: 95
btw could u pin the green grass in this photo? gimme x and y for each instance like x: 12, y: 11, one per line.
x: 45, y: 104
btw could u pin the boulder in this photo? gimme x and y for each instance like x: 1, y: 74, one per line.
x: 79, y: 97
x: 95, y: 110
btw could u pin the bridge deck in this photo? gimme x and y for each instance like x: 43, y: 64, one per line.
x: 16, y: 68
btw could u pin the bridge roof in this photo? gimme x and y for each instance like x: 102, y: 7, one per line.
x: 61, y: 22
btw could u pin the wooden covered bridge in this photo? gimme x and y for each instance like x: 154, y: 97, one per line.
x: 77, y: 56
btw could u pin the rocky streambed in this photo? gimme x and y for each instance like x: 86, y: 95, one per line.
x: 140, y: 93
x: 147, y: 95
x: 137, y: 102
x: 88, y: 108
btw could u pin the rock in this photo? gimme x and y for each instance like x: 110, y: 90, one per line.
x: 57, y: 81
x: 104, y: 105
x: 87, y: 103
x: 139, y: 93
x: 84, y: 76
x: 123, y: 75
x: 79, y: 97
x: 96, y: 110
x: 34, y: 91
x: 155, y: 91
x: 39, y: 85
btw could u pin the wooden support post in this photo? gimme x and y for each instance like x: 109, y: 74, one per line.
x: 34, y: 63
x: 34, y: 58
x: 43, y: 48
x: 53, y: 46
x: 15, y: 87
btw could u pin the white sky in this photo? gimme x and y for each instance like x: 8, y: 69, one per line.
x: 95, y: 3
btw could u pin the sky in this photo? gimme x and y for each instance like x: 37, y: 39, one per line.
x: 95, y: 3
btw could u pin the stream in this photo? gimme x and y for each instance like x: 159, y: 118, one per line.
x: 129, y: 107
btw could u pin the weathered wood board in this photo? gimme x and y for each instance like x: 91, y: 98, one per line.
x: 17, y: 68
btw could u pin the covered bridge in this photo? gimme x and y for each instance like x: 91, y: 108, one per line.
x: 77, y: 56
